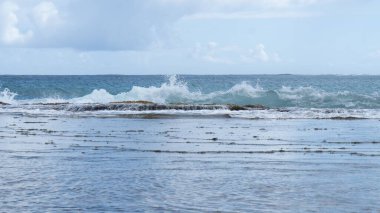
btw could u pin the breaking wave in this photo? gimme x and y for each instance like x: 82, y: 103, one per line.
x: 6, y: 96
x: 174, y: 97
x: 176, y: 91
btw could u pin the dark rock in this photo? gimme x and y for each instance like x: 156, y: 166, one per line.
x: 3, y: 103
x: 283, y: 110
x: 49, y: 142
x: 346, y: 118
x: 255, y: 106
x: 236, y: 107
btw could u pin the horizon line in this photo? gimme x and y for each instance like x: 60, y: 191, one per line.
x: 186, y: 74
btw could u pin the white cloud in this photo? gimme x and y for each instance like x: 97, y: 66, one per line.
x: 45, y: 13
x: 260, y: 54
x: 87, y: 24
x: 9, y: 31
x: 91, y: 25
x: 124, y: 25
x: 233, y: 54
x: 211, y: 52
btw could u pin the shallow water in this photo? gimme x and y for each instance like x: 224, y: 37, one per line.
x: 187, y: 164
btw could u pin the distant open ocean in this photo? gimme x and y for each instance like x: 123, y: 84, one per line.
x: 185, y: 143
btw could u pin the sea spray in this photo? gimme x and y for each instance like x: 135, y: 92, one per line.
x: 193, y: 91
x: 175, y: 91
x: 6, y: 96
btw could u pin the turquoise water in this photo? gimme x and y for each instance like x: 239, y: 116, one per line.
x: 355, y: 92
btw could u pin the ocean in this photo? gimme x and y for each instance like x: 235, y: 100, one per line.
x: 284, y: 96
x: 190, y: 143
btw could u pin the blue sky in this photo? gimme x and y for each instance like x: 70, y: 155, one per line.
x: 189, y: 37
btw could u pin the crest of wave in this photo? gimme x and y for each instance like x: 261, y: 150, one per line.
x: 6, y: 96
x: 175, y: 91
x: 242, y: 93
x: 312, y: 97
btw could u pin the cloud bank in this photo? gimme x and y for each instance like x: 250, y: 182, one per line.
x: 121, y: 25
x: 85, y: 24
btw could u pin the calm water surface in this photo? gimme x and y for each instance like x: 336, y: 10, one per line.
x: 92, y: 164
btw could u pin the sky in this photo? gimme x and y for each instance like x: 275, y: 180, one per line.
x: 58, y: 37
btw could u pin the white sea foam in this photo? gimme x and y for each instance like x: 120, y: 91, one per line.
x: 176, y: 91
x: 289, y: 113
x: 297, y: 103
x: 6, y: 96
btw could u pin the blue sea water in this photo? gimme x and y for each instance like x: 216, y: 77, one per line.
x: 90, y: 164
x: 328, y: 91
x: 73, y: 143
x: 284, y: 96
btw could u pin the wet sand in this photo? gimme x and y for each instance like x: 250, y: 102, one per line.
x: 68, y: 163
